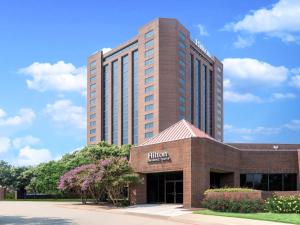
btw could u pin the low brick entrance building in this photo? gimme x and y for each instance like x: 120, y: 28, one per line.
x: 181, y: 162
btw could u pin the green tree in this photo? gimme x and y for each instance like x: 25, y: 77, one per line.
x: 5, y: 174
x: 46, y: 175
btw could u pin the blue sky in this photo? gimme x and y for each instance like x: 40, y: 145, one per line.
x: 45, y: 44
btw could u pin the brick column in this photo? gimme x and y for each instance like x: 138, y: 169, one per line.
x: 138, y: 193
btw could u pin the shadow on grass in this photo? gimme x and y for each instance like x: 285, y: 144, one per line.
x: 18, y: 220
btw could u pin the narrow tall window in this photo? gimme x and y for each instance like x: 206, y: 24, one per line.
x: 115, y: 102
x: 192, y: 89
x: 135, y: 97
x: 105, y: 111
x: 203, y: 98
x: 197, y: 94
x: 125, y: 100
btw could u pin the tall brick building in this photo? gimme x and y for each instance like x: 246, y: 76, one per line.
x: 150, y: 82
x: 163, y: 93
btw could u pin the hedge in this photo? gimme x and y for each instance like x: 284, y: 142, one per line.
x: 283, y: 204
x: 229, y: 190
x: 239, y: 206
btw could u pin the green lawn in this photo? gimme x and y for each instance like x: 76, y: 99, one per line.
x: 284, y: 218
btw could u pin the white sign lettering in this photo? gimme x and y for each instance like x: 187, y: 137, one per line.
x: 157, y: 157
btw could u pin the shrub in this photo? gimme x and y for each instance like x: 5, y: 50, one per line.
x: 9, y: 195
x: 283, y: 204
x: 231, y: 205
x: 228, y: 189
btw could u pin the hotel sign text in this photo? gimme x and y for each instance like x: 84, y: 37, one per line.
x: 158, y: 157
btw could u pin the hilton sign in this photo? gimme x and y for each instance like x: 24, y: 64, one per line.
x: 158, y: 157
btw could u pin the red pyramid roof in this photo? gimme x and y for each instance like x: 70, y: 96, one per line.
x: 180, y: 130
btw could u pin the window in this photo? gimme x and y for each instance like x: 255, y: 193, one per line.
x: 182, y: 45
x: 92, y: 79
x: 148, y: 134
x: 149, y: 34
x: 92, y: 139
x: 105, y: 107
x: 135, y: 93
x: 149, y: 43
x: 192, y: 97
x: 93, y: 86
x: 93, y: 71
x: 149, y: 116
x: 269, y: 182
x: 149, y: 62
x: 92, y: 65
x: 149, y: 125
x: 149, y: 52
x: 149, y: 98
x: 93, y: 123
x: 203, y: 98
x: 181, y: 54
x: 93, y: 94
x: 181, y: 35
x: 149, y: 89
x: 93, y: 102
x: 93, y: 131
x: 149, y: 80
x: 93, y: 109
x: 181, y: 62
x: 149, y: 71
x: 197, y: 93
x: 149, y: 107
x: 93, y: 116
x: 115, y: 102
x: 125, y: 99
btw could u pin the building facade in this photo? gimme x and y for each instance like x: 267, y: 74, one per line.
x: 181, y: 162
x: 149, y: 83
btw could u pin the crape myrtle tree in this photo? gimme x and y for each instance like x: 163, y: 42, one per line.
x: 46, y: 176
x: 110, y: 175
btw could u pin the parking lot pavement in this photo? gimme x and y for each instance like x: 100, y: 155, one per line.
x: 168, y: 210
x: 67, y: 213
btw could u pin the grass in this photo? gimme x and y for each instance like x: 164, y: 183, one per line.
x: 275, y: 217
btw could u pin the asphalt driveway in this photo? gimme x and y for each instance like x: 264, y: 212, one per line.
x: 66, y: 213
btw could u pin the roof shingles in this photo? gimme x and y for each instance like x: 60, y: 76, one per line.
x: 180, y: 130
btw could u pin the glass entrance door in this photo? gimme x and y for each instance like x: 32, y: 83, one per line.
x: 174, y: 191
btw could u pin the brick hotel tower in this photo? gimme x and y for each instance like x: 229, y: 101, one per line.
x: 149, y: 83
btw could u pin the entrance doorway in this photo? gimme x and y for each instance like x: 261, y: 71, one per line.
x: 165, y: 187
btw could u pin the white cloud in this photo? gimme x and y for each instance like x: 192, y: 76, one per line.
x: 30, y: 156
x: 243, y: 42
x: 294, y: 125
x: 251, y: 131
x: 235, y: 97
x: 254, y: 71
x: 65, y: 113
x: 279, y: 96
x: 25, y: 117
x: 295, y: 81
x: 282, y: 21
x: 5, y: 144
x: 20, y: 142
x: 105, y: 50
x: 59, y: 76
x: 202, y: 30
x: 227, y: 84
